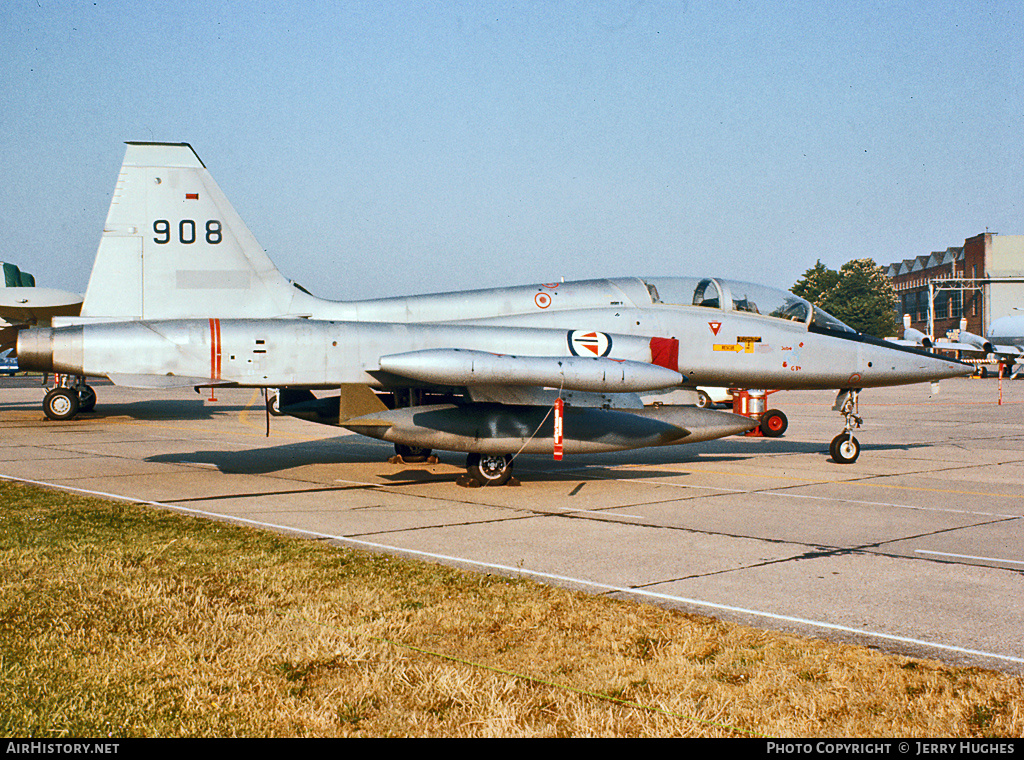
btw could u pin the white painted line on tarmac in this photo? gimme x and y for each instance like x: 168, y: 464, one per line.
x: 968, y: 556
x: 504, y: 569
x: 599, y: 512
x: 881, y: 503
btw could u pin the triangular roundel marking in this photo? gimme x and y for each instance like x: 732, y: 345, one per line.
x: 589, y: 343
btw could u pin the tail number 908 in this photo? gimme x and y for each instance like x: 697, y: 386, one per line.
x: 187, y: 231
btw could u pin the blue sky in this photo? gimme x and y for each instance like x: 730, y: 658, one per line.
x: 391, y: 148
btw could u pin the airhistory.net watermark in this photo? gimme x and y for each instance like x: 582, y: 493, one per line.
x: 60, y: 748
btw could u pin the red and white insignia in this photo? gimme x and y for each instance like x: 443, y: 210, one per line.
x: 715, y: 327
x: 543, y: 300
x: 589, y: 343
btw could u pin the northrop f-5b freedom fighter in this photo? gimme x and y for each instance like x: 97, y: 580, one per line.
x: 182, y: 294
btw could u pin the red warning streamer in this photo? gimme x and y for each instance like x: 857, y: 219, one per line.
x: 558, y: 429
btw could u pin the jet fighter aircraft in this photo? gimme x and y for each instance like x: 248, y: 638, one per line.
x: 1005, y: 341
x: 1005, y: 338
x: 182, y: 294
x: 22, y: 304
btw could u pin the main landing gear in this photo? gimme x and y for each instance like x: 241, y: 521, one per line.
x: 488, y: 470
x: 69, y: 396
x: 412, y: 455
x: 844, y: 447
x: 481, y: 469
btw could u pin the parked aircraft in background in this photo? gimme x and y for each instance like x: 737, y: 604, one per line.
x: 181, y: 294
x: 1005, y: 341
x: 22, y: 304
x: 8, y: 363
x: 1005, y: 338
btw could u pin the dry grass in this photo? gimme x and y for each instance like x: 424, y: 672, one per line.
x: 118, y: 620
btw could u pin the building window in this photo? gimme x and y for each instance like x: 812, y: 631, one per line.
x: 954, y: 304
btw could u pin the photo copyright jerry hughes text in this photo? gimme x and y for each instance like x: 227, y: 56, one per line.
x: 60, y: 748
x: 913, y: 748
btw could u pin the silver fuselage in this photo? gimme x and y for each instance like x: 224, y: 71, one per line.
x: 342, y: 343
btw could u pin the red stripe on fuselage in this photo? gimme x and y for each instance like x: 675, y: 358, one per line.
x: 214, y: 348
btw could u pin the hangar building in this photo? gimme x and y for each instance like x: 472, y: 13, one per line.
x: 979, y: 281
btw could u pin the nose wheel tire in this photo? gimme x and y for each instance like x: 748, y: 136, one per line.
x: 844, y: 449
x: 490, y: 469
x: 61, y: 404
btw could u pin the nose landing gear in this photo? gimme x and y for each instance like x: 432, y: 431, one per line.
x: 844, y: 448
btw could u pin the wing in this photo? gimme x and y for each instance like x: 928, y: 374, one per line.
x: 37, y: 306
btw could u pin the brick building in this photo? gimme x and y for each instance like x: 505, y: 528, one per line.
x: 979, y: 282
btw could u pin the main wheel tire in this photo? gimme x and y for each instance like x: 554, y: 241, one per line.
x: 412, y: 453
x: 703, y: 400
x: 61, y: 404
x: 490, y: 469
x: 86, y: 398
x: 773, y: 423
x: 844, y: 449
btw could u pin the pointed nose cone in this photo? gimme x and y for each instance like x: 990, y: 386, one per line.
x: 949, y: 369
x: 922, y: 366
x: 884, y: 363
x: 722, y: 425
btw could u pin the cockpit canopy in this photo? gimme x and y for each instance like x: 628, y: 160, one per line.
x: 732, y: 295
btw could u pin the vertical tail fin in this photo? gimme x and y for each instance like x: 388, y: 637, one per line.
x: 174, y: 247
x: 15, y: 278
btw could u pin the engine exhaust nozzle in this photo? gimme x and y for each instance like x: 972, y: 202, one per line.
x: 35, y: 349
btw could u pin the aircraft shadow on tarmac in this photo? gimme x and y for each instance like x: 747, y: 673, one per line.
x: 347, y: 450
x: 730, y: 448
x: 166, y: 409
x: 272, y: 459
x: 145, y: 410
x: 351, y: 450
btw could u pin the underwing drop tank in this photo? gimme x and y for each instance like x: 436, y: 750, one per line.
x: 502, y: 428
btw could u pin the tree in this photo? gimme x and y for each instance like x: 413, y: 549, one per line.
x: 859, y: 294
x: 816, y: 280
